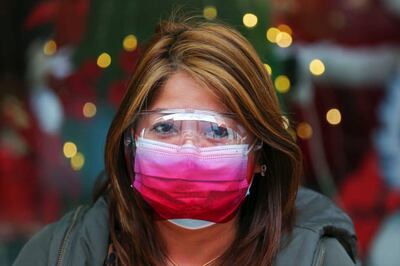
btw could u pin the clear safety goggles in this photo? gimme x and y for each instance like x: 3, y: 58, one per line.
x: 198, y: 127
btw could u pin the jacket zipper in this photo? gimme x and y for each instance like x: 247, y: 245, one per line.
x: 320, y: 255
x: 67, y: 236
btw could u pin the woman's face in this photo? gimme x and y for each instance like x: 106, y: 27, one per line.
x: 182, y: 92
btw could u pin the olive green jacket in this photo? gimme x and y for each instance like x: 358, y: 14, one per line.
x: 322, y: 235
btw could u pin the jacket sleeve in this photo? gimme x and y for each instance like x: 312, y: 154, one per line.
x: 36, y: 250
x: 43, y: 247
x: 334, y: 253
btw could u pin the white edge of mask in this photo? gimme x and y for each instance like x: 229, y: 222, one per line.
x: 191, y: 224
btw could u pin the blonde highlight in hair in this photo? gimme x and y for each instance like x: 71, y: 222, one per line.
x: 220, y: 58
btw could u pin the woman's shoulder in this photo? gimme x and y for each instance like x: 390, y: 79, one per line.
x: 320, y: 230
x: 81, y: 235
x: 318, y: 213
x: 331, y: 253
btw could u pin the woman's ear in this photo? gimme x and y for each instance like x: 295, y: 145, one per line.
x: 260, y: 169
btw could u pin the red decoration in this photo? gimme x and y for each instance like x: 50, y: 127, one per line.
x: 116, y: 92
x: 352, y: 23
x: 367, y: 199
x: 70, y: 23
x: 127, y: 61
x: 59, y: 14
x: 43, y: 13
x: 77, y: 89
x: 33, y: 172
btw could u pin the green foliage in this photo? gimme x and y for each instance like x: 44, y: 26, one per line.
x: 110, y: 21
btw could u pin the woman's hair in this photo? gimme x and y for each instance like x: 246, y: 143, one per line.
x: 219, y: 58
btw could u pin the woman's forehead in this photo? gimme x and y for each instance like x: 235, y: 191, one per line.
x: 181, y: 91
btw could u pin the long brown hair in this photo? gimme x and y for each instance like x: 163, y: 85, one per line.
x: 222, y: 59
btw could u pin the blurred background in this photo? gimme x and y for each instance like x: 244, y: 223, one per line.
x: 335, y: 65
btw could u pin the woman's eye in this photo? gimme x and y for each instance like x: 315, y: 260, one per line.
x: 218, y: 132
x: 164, y: 128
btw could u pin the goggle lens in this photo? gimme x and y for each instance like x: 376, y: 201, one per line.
x: 203, y: 128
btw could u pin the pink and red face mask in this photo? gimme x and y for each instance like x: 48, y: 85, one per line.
x: 190, y: 164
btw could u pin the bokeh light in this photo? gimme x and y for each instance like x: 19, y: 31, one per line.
x: 130, y: 43
x: 304, y: 130
x: 89, y: 110
x: 104, y: 60
x: 271, y: 34
x: 50, y: 47
x: 282, y: 84
x: 333, y: 116
x: 69, y: 149
x: 317, y: 67
x: 285, y: 28
x: 78, y: 161
x: 250, y: 20
x: 283, y: 39
x: 210, y: 12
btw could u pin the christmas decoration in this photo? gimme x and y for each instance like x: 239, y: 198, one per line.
x: 387, y: 138
x: 355, y: 45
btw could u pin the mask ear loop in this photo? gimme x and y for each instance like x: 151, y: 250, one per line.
x: 255, y: 146
x: 129, y: 140
x: 263, y: 169
x: 263, y: 166
x: 129, y: 150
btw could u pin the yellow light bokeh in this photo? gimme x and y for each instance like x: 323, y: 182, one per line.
x: 69, y: 149
x: 104, y: 60
x: 210, y: 12
x: 317, y: 67
x: 89, y: 110
x: 304, y: 130
x: 250, y: 20
x: 283, y: 39
x: 77, y: 161
x: 333, y: 116
x: 282, y: 84
x: 271, y: 34
x: 268, y: 68
x: 285, y: 28
x: 130, y: 43
x: 50, y: 47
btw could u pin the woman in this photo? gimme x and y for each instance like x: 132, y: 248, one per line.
x: 201, y: 170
